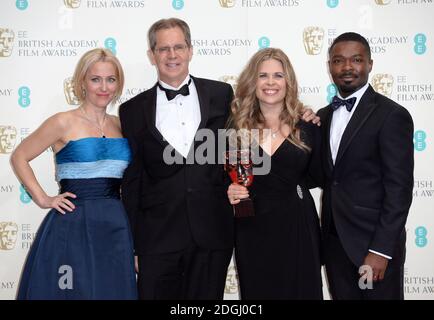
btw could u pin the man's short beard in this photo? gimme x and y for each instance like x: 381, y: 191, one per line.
x: 347, y: 89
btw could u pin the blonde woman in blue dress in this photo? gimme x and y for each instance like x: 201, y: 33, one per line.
x: 86, y: 232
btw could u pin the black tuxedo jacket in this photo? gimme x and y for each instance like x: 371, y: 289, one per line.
x: 172, y: 205
x: 368, y: 190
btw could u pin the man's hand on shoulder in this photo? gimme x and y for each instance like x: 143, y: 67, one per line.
x: 310, y: 116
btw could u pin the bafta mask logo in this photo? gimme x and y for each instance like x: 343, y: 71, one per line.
x: 382, y: 2
x: 8, y: 138
x: 72, y: 4
x: 232, y: 80
x: 68, y: 89
x: 313, y: 38
x: 6, y: 42
x: 383, y: 83
x: 227, y: 3
x: 8, y: 235
x: 231, y: 281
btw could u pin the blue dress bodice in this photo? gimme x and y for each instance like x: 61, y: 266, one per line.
x: 93, y: 157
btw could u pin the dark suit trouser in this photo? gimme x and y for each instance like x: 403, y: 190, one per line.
x: 193, y: 273
x: 343, y: 277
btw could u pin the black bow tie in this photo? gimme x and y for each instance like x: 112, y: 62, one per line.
x: 171, y: 94
x: 338, y: 102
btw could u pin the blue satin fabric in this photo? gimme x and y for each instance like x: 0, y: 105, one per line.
x: 94, y: 149
x: 87, y: 189
x: 87, y: 253
x: 93, y: 158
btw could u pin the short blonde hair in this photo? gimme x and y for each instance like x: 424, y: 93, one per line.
x: 84, y: 64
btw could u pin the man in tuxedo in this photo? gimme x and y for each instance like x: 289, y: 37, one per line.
x: 181, y: 219
x: 368, y: 164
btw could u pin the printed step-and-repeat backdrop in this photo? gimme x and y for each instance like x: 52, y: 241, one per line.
x: 41, y: 41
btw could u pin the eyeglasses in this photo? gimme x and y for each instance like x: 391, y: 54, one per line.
x: 178, y: 48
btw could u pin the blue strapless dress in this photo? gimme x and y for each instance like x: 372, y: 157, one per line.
x: 87, y: 253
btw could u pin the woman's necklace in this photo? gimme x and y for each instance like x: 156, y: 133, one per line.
x: 274, y: 133
x: 95, y: 123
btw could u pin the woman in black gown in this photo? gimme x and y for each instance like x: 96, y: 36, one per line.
x: 277, y: 251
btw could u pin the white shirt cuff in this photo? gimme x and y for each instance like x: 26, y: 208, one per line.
x: 380, y: 254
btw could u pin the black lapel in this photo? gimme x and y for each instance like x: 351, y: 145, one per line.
x: 150, y: 110
x: 204, y: 101
x: 327, y: 124
x: 364, y: 109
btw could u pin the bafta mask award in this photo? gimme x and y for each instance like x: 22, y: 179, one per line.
x: 238, y: 165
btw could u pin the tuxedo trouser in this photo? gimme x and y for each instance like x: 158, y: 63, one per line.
x: 343, y: 276
x: 191, y: 274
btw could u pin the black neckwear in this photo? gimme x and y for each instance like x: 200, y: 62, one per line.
x: 338, y: 102
x: 171, y: 94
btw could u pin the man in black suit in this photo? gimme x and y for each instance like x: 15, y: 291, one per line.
x: 368, y: 164
x: 181, y: 219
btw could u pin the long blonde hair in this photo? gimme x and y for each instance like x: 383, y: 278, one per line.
x: 246, y: 113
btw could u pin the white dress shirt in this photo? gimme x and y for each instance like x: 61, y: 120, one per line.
x: 341, y: 118
x: 178, y: 119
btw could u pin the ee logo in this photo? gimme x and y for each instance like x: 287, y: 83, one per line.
x: 24, y: 195
x: 110, y: 43
x: 331, y: 92
x: 419, y: 140
x: 178, y: 4
x: 24, y: 97
x: 332, y: 3
x: 421, y: 239
x: 264, y: 42
x: 420, y: 43
x: 21, y: 4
